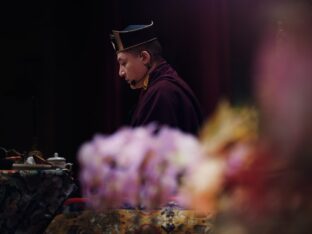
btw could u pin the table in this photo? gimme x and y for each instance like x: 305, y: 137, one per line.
x: 29, y: 199
x: 169, y: 219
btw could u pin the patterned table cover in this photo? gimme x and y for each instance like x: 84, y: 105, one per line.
x: 29, y: 199
x: 169, y: 219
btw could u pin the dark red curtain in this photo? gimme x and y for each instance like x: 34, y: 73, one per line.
x: 60, y: 82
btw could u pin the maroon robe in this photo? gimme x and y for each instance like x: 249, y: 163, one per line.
x: 169, y: 101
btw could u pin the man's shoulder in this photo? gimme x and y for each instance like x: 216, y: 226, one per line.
x: 164, y: 85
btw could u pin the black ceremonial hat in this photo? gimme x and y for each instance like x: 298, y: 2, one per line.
x: 132, y: 36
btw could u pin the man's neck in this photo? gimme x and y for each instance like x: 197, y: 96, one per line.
x: 143, y: 83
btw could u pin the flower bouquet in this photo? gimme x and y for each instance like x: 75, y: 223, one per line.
x: 136, y: 167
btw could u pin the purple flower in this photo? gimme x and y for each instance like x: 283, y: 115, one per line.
x: 136, y: 166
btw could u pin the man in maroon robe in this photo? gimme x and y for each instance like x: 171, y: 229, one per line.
x: 165, y: 98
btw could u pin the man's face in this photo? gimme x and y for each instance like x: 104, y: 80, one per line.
x: 131, y: 68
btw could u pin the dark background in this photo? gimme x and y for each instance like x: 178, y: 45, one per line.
x: 59, y: 83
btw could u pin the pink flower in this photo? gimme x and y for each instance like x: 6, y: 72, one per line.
x: 135, y: 166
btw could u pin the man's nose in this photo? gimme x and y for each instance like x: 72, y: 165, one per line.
x: 121, y: 73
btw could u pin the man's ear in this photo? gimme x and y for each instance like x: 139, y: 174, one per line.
x: 145, y: 56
